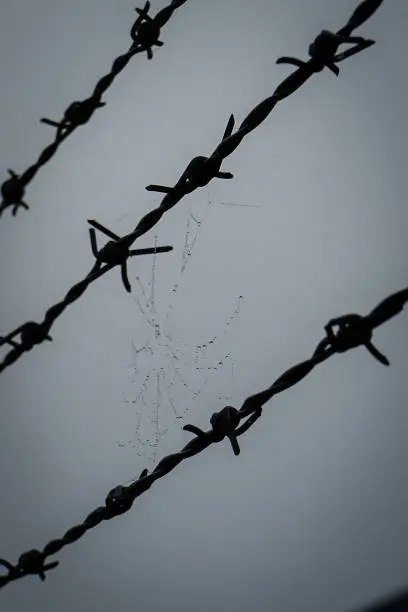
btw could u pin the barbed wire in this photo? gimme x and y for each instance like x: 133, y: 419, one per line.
x: 354, y: 330
x: 395, y: 603
x: 145, y: 34
x: 200, y: 171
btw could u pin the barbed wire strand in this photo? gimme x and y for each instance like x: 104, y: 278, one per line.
x: 395, y: 603
x: 353, y: 331
x: 198, y: 173
x: 145, y: 34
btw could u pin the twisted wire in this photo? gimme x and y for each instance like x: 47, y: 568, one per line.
x: 199, y: 172
x: 353, y: 330
x: 393, y: 603
x: 144, y: 33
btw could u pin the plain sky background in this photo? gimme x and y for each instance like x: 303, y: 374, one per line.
x: 313, y: 514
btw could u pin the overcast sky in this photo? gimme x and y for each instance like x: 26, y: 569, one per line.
x: 313, y: 514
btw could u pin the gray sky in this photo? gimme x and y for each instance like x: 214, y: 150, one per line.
x: 313, y: 514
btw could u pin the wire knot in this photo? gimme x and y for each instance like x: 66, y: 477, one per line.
x: 145, y: 32
x: 120, y: 497
x: 33, y: 562
x: 118, y: 500
x: 116, y: 251
x: 323, y: 51
x: 77, y: 113
x: 31, y: 333
x: 201, y: 170
x: 224, y: 423
x: 354, y: 330
x: 12, y: 191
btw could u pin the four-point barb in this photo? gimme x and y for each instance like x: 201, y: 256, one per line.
x: 12, y: 191
x: 116, y: 251
x: 145, y: 32
x: 31, y: 562
x: 225, y: 425
x: 77, y: 113
x: 323, y: 51
x: 31, y: 333
x: 200, y: 171
x: 354, y: 330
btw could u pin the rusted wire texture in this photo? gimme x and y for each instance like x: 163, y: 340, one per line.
x: 324, y: 51
x: 145, y: 34
x: 342, y: 334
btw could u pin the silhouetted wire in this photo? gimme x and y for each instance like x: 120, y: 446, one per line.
x: 353, y: 331
x: 145, y: 34
x: 198, y: 173
x: 395, y: 603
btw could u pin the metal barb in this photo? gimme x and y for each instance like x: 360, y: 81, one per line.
x: 354, y: 330
x: 116, y: 251
x: 198, y: 173
x: 146, y: 32
x: 224, y: 423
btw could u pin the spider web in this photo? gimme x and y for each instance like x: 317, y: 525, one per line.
x: 164, y: 368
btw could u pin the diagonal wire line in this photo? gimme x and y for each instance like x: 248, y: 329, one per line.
x: 354, y: 331
x: 145, y: 34
x: 395, y: 603
x: 198, y: 173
